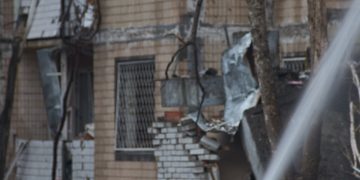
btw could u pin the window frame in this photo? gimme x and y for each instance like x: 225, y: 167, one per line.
x: 130, y: 154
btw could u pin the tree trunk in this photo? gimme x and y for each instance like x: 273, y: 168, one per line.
x: 264, y: 70
x: 269, y: 9
x: 5, y: 117
x: 318, y: 29
x: 1, y: 54
x: 318, y: 42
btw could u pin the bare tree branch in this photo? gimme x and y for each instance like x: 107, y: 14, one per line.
x: 266, y: 77
x: 317, y: 25
x: 63, y: 119
x: 5, y: 116
x: 355, y: 160
x: 353, y: 143
x: 192, y: 42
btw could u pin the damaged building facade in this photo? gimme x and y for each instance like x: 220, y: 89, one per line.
x: 116, y: 98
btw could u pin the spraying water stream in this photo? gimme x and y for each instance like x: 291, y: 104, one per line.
x: 314, y: 100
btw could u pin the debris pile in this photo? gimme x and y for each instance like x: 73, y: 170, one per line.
x: 179, y: 152
x: 237, y: 89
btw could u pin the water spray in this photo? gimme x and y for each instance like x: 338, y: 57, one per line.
x: 313, y: 102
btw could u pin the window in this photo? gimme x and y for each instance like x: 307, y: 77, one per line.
x: 84, y: 100
x: 134, y: 108
x: 296, y: 61
x: 295, y: 64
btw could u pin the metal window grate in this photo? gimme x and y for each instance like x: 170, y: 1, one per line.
x: 135, y: 105
x: 296, y: 64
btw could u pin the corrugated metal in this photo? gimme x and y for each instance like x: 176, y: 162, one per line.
x: 46, y: 20
x: 185, y: 92
x: 51, y: 87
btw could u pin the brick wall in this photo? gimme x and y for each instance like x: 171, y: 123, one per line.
x: 290, y: 12
x: 28, y: 108
x: 36, y: 162
x: 294, y: 40
x: 231, y: 12
x: 213, y: 48
x: 179, y: 154
x: 125, y: 14
x: 234, y: 12
x: 5, y: 19
x: 7, y: 12
x: 4, y: 60
x: 29, y: 120
x: 82, y: 159
x: 106, y: 167
x: 29, y: 111
x: 291, y: 17
x: 338, y: 4
x: 140, y: 13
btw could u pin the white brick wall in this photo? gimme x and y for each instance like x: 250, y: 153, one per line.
x: 178, y: 154
x: 82, y: 160
x: 36, y: 162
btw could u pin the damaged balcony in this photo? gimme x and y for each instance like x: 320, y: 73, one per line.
x: 238, y: 92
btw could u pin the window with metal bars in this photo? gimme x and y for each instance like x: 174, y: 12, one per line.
x: 134, y: 107
x: 295, y: 64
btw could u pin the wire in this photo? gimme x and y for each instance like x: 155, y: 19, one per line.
x: 63, y: 117
x: 198, y: 81
x: 175, y: 55
x: 82, y: 36
x: 192, y: 41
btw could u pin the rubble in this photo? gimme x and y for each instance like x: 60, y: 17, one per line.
x: 240, y: 88
x: 89, y: 132
x: 253, y: 134
x: 178, y: 151
x: 209, y: 143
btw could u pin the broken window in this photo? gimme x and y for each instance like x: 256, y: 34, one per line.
x: 134, y: 108
x: 84, y: 101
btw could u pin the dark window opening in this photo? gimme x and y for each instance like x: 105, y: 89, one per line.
x: 83, y: 97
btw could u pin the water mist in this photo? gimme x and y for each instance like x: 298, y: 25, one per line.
x: 318, y: 91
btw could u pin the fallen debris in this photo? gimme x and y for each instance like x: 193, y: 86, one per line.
x: 178, y: 154
x: 241, y: 90
x: 89, y: 132
x: 210, y: 144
